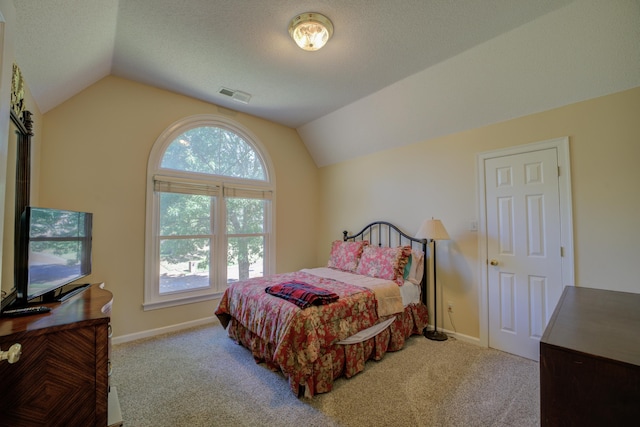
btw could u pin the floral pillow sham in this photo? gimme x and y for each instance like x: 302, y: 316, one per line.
x: 384, y: 263
x: 345, y: 255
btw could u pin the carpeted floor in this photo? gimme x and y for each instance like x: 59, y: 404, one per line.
x: 200, y: 377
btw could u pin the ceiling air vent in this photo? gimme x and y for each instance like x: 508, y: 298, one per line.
x: 236, y: 95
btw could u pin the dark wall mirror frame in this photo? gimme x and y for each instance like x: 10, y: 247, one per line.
x: 24, y: 131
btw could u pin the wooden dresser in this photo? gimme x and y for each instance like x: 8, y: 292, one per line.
x: 590, y: 360
x: 62, y: 376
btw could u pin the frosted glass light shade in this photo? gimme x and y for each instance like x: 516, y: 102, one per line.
x: 311, y: 31
x: 432, y: 229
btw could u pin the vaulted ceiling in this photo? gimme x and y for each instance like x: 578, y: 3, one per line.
x: 196, y: 47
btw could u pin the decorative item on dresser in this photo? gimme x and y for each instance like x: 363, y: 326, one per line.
x: 62, y: 375
x: 590, y: 360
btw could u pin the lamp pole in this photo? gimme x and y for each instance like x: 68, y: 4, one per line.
x: 435, y: 334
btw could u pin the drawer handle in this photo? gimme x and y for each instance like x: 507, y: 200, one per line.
x: 13, y: 354
x: 110, y: 368
x: 110, y: 331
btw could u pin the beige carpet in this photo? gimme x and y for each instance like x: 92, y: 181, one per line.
x: 200, y: 377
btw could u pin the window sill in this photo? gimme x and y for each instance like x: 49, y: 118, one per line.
x: 154, y: 305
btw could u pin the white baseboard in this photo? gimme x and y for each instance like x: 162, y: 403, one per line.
x: 164, y: 330
x: 462, y: 337
x: 459, y: 337
x: 213, y: 320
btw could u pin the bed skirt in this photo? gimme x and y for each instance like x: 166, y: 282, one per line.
x: 337, y: 360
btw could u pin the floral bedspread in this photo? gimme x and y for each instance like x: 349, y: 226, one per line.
x: 296, y: 337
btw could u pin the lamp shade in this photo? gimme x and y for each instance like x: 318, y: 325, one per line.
x: 311, y: 31
x: 432, y: 229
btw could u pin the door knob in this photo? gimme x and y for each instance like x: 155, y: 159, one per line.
x: 494, y: 262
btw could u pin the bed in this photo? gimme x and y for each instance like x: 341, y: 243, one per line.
x: 316, y: 325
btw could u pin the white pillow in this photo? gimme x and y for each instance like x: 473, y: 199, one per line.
x: 417, y: 268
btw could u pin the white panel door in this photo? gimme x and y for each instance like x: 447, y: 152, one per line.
x: 523, y: 248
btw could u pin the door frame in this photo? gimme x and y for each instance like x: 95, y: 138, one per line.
x: 566, y: 219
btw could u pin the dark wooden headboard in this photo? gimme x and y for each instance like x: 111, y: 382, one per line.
x: 385, y: 234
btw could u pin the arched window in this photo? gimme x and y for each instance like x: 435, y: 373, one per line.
x: 210, y: 205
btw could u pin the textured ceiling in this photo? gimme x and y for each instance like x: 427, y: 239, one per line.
x: 195, y: 47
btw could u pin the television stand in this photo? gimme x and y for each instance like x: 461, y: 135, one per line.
x: 62, y: 377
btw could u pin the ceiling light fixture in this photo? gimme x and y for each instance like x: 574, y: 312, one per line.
x: 310, y: 30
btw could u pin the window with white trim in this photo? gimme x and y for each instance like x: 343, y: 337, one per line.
x: 210, y: 205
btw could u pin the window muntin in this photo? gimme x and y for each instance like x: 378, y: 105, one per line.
x: 210, y: 212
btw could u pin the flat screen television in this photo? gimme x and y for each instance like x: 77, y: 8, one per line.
x: 53, y: 250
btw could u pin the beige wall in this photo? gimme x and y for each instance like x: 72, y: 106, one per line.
x: 8, y: 139
x: 438, y: 178
x: 94, y: 158
x: 97, y: 144
x: 7, y: 21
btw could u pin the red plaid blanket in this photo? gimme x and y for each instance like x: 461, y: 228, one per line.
x: 302, y: 294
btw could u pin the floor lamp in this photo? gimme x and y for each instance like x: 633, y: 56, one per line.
x: 433, y: 230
